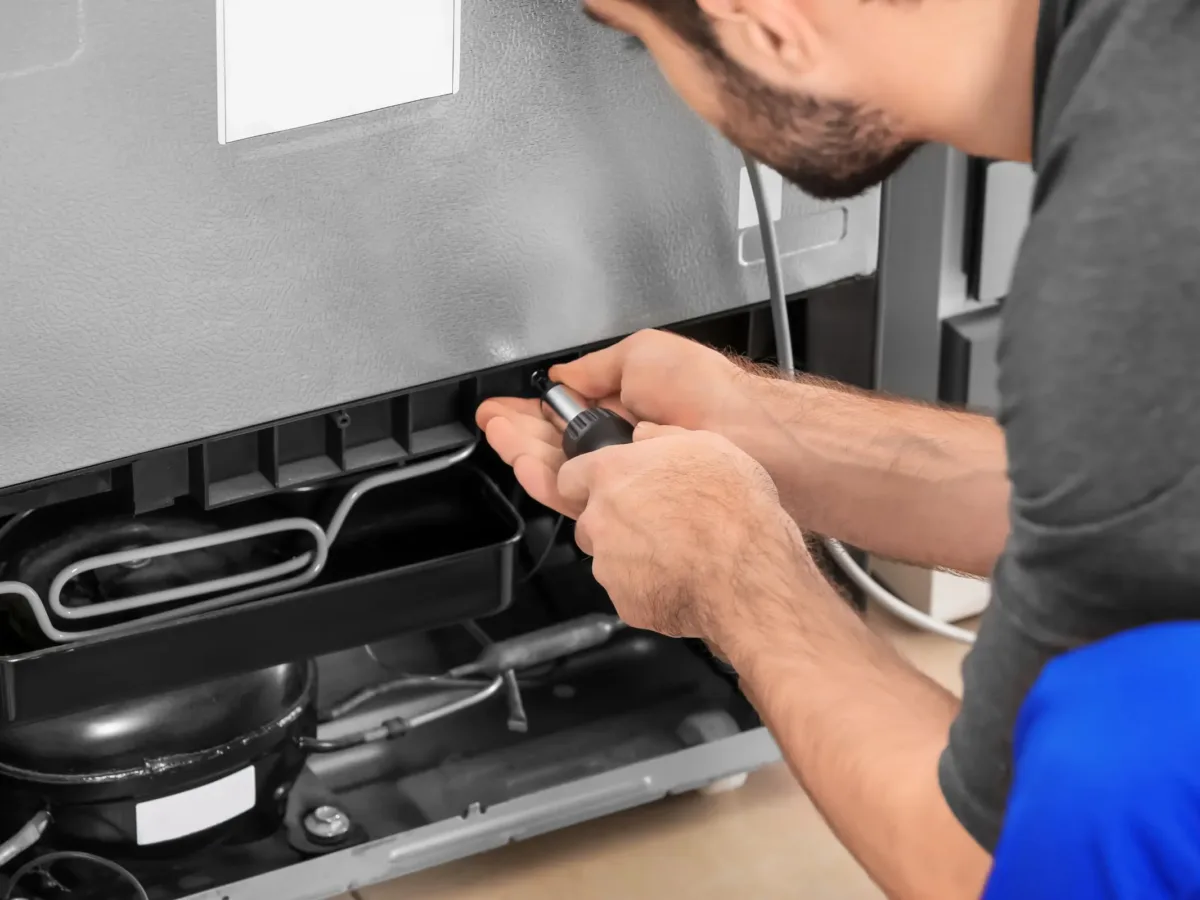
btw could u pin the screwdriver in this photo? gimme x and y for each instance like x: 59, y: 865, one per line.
x: 587, y: 428
x: 590, y: 428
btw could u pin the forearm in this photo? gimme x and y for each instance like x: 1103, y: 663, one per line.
x: 862, y: 731
x: 905, y: 481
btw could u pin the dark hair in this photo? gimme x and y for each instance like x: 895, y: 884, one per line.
x: 830, y: 148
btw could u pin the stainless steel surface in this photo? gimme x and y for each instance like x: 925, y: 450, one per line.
x: 563, y: 404
x: 157, y: 288
x: 923, y: 279
x: 480, y: 830
x: 917, y: 267
x: 1007, y: 201
x: 977, y: 336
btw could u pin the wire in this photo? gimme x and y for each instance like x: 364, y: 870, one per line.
x: 474, y: 630
x: 399, y: 725
x: 770, y: 241
x: 29, y: 834
x: 13, y: 521
x: 787, y: 364
x: 891, y: 602
x: 310, y: 563
x: 366, y: 695
x: 541, y: 560
x: 62, y: 855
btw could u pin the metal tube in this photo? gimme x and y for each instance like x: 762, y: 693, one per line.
x: 310, y: 564
x: 557, y: 397
x: 29, y: 834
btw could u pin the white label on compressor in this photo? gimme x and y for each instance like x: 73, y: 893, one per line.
x: 178, y: 816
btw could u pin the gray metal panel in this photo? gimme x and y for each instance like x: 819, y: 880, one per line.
x: 922, y: 278
x: 979, y: 332
x: 548, y: 810
x: 157, y: 288
x: 1007, y: 199
x: 915, y: 263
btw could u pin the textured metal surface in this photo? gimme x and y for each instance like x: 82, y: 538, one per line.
x: 515, y: 820
x: 921, y: 277
x: 1007, y: 203
x: 157, y: 288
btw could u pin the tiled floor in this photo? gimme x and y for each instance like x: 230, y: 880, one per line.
x: 763, y: 842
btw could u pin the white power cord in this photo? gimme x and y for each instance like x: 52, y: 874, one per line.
x: 783, y: 350
x: 890, y: 601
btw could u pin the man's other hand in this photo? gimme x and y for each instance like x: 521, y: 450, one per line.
x: 680, y: 524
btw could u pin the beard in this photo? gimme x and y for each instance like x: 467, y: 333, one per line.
x: 831, y: 150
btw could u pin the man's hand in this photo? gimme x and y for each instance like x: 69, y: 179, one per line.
x: 663, y: 378
x: 652, y: 376
x: 679, y: 523
x: 905, y: 481
x: 689, y: 538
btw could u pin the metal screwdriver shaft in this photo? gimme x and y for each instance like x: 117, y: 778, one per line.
x: 587, y: 428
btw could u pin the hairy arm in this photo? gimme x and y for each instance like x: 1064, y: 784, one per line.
x: 899, y: 479
x: 860, y: 728
x: 688, y: 538
x: 902, y: 480
x: 862, y: 731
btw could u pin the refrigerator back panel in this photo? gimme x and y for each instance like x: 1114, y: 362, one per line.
x: 207, y: 225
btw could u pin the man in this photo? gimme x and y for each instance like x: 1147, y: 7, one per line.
x: 1084, y: 510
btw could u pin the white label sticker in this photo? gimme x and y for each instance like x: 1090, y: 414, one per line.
x: 179, y: 815
x: 284, y: 64
x: 772, y: 187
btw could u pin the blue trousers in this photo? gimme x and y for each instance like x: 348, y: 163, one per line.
x: 1105, y: 800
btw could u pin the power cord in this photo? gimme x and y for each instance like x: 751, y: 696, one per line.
x: 545, y: 554
x: 787, y: 364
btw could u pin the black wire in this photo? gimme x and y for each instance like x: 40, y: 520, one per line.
x: 48, y: 858
x: 478, y: 633
x: 541, y: 560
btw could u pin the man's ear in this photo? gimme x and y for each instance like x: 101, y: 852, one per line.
x: 778, y: 32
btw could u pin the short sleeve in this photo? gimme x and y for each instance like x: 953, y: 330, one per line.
x: 1100, y: 403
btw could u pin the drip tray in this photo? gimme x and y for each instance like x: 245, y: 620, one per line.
x: 412, y: 556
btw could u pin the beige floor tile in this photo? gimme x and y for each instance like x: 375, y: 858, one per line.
x: 763, y: 842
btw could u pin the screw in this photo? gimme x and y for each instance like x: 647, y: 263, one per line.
x: 327, y: 823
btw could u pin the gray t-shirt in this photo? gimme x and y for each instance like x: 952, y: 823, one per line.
x: 1099, y: 371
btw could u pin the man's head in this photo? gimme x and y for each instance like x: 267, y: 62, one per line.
x: 809, y: 87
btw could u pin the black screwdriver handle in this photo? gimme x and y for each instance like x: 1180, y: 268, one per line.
x: 587, y: 428
x: 595, y: 428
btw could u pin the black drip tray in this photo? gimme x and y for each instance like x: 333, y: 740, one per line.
x: 412, y: 556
